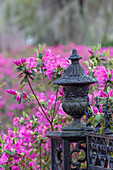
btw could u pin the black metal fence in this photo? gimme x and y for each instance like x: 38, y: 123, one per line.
x: 78, y: 146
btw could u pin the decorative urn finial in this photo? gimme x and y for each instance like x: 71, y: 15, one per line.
x: 76, y: 87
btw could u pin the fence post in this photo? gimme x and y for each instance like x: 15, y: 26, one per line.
x: 72, y: 137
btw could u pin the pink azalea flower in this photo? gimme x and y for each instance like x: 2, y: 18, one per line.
x: 29, y: 71
x: 23, y: 60
x: 15, y: 167
x: 16, y: 121
x: 87, y: 72
x: 103, y: 94
x: 101, y: 109
x: 53, y: 62
x: 10, y: 91
x: 111, y: 93
x: 61, y: 92
x: 29, y: 125
x: 101, y: 74
x: 24, y: 95
x: 18, y: 97
x: 19, y: 62
x: 11, y: 133
x: 91, y: 52
x: 31, y: 62
x: 4, y: 158
x: 95, y: 109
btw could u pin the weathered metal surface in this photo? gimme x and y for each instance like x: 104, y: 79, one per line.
x: 71, y: 141
x: 75, y: 73
x: 99, y: 151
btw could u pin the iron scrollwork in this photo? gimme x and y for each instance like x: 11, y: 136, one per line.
x: 79, y: 147
x: 100, y: 153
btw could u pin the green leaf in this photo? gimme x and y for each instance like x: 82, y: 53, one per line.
x: 40, y: 55
x: 95, y: 61
x: 41, y: 63
x: 33, y: 72
x: 33, y: 116
x: 23, y: 114
x: 96, y: 123
x: 97, y: 117
x: 108, y: 89
x: 20, y: 101
x: 91, y: 109
x: 22, y: 86
x: 20, y: 75
x: 2, y: 166
x: 86, y: 62
x: 2, y: 84
x: 103, y: 59
x: 99, y: 47
x: 104, y: 53
x: 27, y: 116
x: 43, y: 46
x: 59, y: 72
x: 58, y: 98
x: 40, y: 48
x: 31, y: 152
x: 89, y: 120
x: 19, y: 70
x: 36, y: 50
x: 18, y: 138
x: 25, y: 79
x: 9, y: 152
x: 91, y: 62
x: 108, y: 52
x: 21, y: 81
x: 23, y: 68
x: 31, y: 78
x: 94, y: 49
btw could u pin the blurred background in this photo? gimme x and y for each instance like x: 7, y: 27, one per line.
x: 29, y: 22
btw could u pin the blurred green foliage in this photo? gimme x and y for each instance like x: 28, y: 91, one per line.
x: 106, y: 43
x: 23, y: 13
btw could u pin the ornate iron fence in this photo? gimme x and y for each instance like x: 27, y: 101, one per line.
x: 78, y: 146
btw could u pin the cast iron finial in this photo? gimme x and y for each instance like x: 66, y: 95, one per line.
x: 75, y: 73
x: 75, y: 55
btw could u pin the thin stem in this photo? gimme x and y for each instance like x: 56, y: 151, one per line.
x: 59, y: 104
x: 54, y: 109
x: 40, y: 154
x: 38, y: 102
x: 35, y: 107
x: 45, y: 84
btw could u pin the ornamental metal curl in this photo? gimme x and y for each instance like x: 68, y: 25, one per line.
x: 78, y: 148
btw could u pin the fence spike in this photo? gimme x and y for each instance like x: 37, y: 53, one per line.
x: 108, y: 118
x: 97, y: 104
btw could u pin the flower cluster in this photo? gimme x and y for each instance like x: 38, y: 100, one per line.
x: 54, y: 64
x: 101, y: 66
x: 18, y: 150
x: 18, y: 95
x: 20, y: 62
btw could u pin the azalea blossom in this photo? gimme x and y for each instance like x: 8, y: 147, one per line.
x: 10, y: 91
